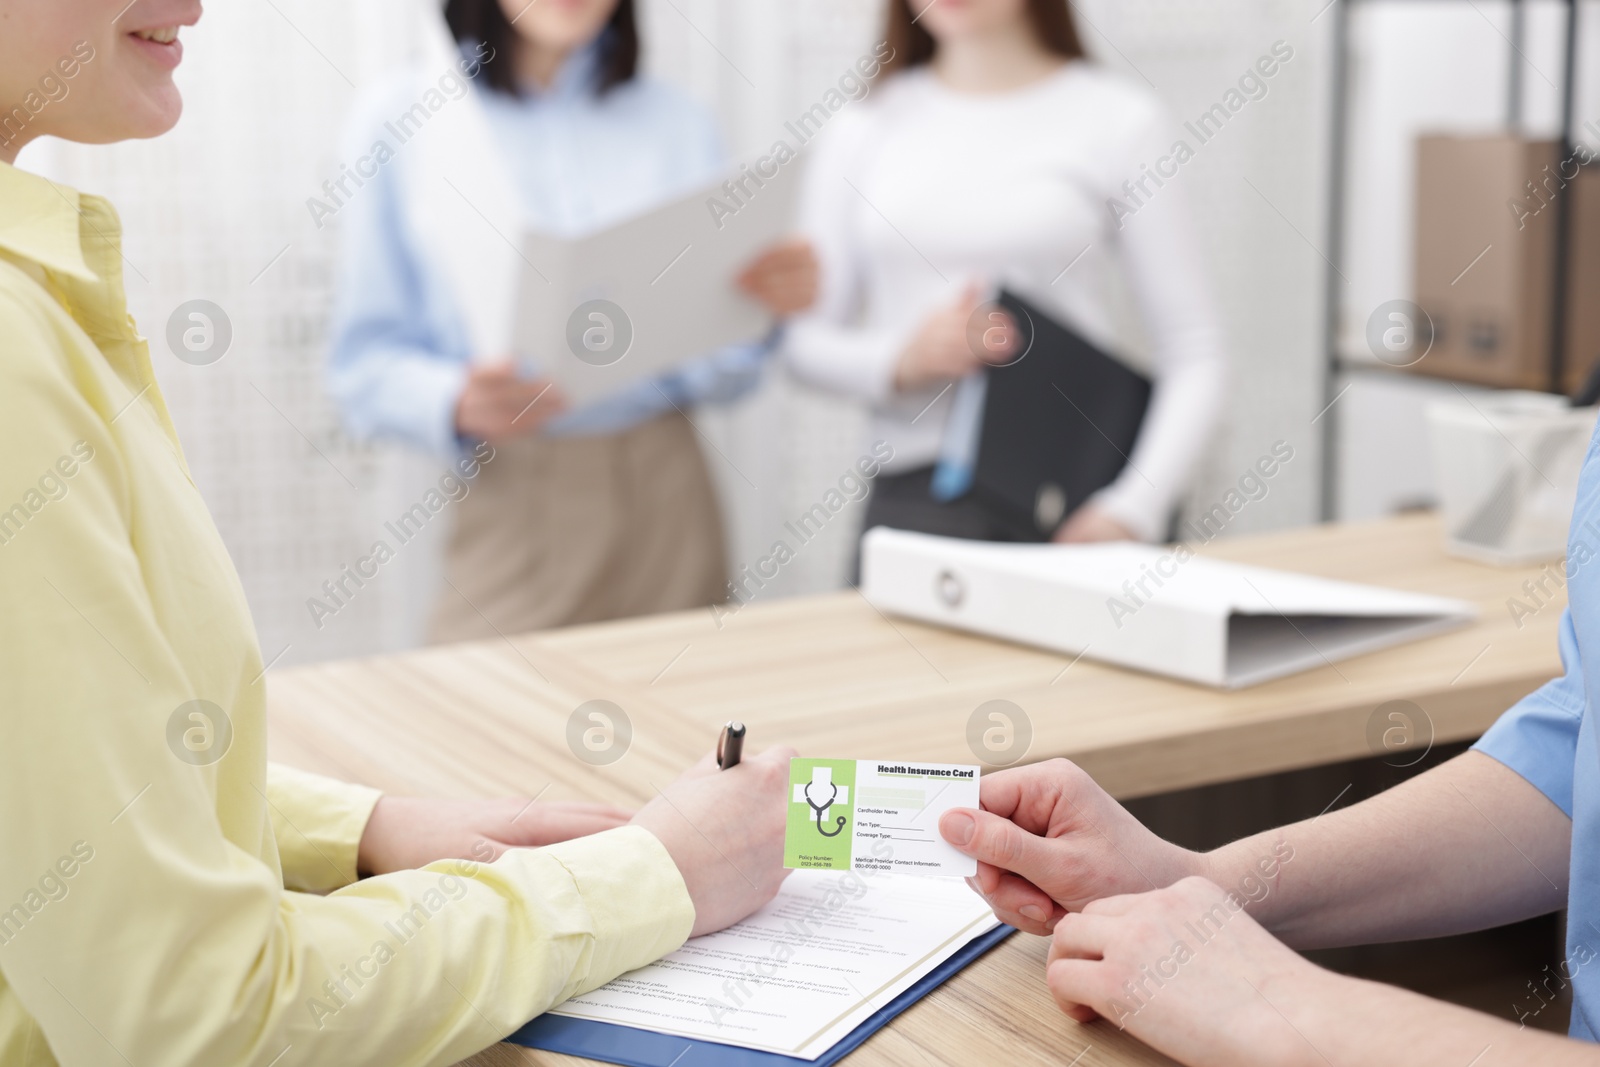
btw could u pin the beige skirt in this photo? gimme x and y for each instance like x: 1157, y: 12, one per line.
x: 560, y: 530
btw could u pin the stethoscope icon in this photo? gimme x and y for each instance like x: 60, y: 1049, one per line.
x: 822, y: 809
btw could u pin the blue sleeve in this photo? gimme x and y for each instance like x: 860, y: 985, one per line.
x: 390, y: 370
x: 722, y: 377
x: 1538, y: 737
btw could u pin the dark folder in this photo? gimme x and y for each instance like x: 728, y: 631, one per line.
x: 1058, y: 424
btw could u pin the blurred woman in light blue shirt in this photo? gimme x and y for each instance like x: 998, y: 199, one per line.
x: 595, y: 513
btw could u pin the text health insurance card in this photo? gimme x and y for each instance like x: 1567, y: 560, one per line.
x: 876, y: 815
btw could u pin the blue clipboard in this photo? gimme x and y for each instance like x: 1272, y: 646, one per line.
x: 644, y: 1048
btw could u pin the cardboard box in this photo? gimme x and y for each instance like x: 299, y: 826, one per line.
x: 1485, y: 259
x: 1583, y: 300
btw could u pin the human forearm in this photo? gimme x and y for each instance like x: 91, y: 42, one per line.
x: 843, y: 359
x: 724, y: 376
x: 1177, y: 430
x: 1186, y: 971
x: 318, y: 824
x: 1467, y: 845
x: 1398, y: 1028
x: 416, y: 968
x: 399, y: 392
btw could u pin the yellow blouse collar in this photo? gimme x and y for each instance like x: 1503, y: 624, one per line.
x: 39, y: 221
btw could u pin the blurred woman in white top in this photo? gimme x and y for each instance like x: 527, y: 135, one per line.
x: 994, y: 153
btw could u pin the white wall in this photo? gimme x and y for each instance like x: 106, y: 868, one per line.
x: 217, y: 210
x: 1422, y: 67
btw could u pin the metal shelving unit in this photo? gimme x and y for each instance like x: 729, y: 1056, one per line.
x: 1338, y: 151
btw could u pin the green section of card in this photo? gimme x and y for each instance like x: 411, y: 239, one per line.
x: 820, y: 835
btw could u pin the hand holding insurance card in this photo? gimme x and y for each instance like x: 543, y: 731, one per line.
x: 876, y: 815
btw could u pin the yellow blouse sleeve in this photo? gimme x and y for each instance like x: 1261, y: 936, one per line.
x: 318, y: 823
x: 143, y: 917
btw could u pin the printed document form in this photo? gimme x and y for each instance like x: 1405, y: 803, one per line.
x: 798, y: 976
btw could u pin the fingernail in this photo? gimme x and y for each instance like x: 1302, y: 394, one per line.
x: 958, y: 827
x: 1032, y: 911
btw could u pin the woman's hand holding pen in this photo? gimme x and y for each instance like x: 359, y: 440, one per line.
x: 947, y: 346
x: 724, y: 830
x: 497, y: 405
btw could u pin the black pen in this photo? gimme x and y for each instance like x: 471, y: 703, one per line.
x: 730, y: 744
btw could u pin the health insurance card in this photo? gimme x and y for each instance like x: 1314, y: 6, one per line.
x: 876, y: 815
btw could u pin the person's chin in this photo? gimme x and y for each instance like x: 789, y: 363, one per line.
x: 572, y: 36
x: 953, y: 26
x: 568, y: 30
x: 154, y: 111
x: 163, y: 107
x: 950, y: 18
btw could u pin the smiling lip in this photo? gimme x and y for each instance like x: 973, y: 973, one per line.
x: 168, y: 54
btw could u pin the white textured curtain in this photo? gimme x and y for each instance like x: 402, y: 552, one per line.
x: 217, y: 210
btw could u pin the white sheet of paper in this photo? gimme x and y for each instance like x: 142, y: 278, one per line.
x: 671, y: 271
x: 799, y: 975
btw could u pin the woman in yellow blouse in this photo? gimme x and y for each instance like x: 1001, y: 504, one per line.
x: 162, y: 909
